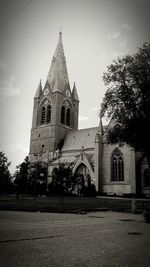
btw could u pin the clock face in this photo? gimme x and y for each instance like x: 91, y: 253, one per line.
x: 46, y: 102
x: 68, y: 93
x: 67, y: 103
x: 46, y: 91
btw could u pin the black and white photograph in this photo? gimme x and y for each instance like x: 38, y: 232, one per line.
x: 75, y: 133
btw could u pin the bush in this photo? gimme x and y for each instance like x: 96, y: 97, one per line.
x: 89, y: 191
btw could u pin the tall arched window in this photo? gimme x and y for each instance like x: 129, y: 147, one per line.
x: 117, y: 166
x: 42, y: 115
x: 63, y: 114
x: 48, y: 117
x: 68, y: 117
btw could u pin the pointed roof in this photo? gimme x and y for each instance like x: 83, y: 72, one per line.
x: 100, y: 128
x: 74, y: 93
x: 58, y: 74
x: 39, y: 90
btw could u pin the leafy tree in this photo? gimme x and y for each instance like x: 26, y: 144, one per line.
x: 37, y: 178
x: 5, y: 176
x: 63, y: 181
x: 30, y: 178
x: 21, y: 177
x: 127, y: 100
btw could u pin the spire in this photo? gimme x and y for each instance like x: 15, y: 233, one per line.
x: 99, y: 135
x: 58, y: 74
x: 74, y: 93
x: 39, y: 90
x: 100, y: 130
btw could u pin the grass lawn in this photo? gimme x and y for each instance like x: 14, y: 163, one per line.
x: 70, y: 203
x: 62, y: 204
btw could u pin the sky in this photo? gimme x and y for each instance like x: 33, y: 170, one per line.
x: 94, y: 32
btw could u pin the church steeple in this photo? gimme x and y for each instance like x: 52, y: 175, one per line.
x: 74, y: 93
x: 39, y: 90
x: 58, y: 75
x: 55, y: 109
x: 100, y: 130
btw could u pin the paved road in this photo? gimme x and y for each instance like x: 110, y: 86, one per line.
x: 101, y: 239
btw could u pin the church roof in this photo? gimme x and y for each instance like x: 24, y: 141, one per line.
x: 65, y: 159
x: 78, y: 139
x: 58, y: 74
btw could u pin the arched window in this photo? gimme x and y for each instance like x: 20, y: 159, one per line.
x: 117, y: 166
x: 43, y: 115
x: 48, y: 117
x: 63, y: 114
x: 68, y: 117
x: 88, y: 178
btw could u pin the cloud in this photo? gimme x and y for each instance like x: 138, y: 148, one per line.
x: 15, y: 147
x: 114, y: 36
x: 8, y: 87
x: 123, y: 43
x: 94, y: 109
x: 126, y: 26
x: 2, y: 65
x: 15, y: 152
x: 103, y: 54
x: 83, y: 118
x: 116, y: 54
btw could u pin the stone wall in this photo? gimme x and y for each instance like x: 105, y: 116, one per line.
x: 118, y: 187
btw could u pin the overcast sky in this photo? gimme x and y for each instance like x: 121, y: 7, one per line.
x: 94, y: 33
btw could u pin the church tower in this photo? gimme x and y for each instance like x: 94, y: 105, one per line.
x: 56, y: 108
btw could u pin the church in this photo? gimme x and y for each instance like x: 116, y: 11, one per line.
x: 55, y: 138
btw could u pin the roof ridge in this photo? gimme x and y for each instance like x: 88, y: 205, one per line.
x: 79, y: 130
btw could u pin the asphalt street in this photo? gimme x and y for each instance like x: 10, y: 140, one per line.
x: 98, y: 239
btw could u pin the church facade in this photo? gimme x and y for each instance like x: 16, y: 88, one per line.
x: 55, y: 138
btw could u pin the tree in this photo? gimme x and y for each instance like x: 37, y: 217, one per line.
x: 31, y: 178
x: 37, y: 180
x: 127, y: 100
x: 21, y: 177
x: 63, y: 180
x: 5, y: 176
